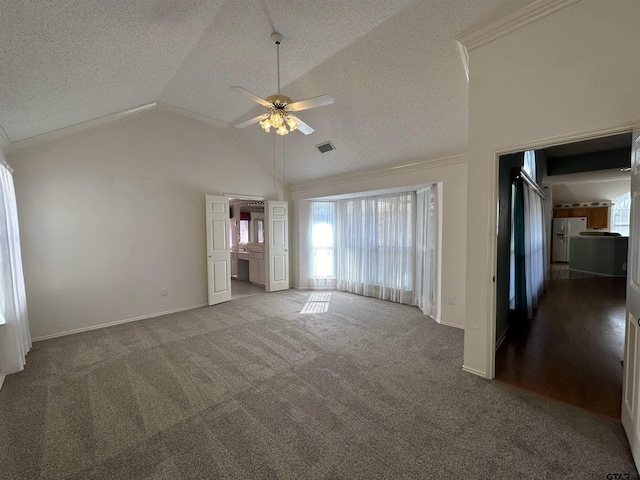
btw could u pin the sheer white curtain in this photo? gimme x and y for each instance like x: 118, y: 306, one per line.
x: 426, y: 249
x: 322, y: 257
x: 374, y: 246
x: 15, y: 340
x: 534, y: 248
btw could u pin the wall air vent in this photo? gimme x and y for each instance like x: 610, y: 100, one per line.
x: 325, y: 147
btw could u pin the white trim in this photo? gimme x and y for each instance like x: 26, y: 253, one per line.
x: 73, y: 130
x: 578, y: 136
x: 464, y: 56
x: 488, y: 32
x: 117, y: 322
x: 449, y: 324
x: 2, y: 377
x: 474, y: 371
x: 10, y: 148
x: 242, y: 196
x: 382, y: 172
x: 183, y: 112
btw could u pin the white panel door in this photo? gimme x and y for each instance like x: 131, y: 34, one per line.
x: 218, y: 249
x: 630, y: 381
x: 277, y: 245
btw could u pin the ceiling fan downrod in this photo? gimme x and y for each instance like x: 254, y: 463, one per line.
x: 277, y: 37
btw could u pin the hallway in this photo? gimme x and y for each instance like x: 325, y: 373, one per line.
x: 572, y: 349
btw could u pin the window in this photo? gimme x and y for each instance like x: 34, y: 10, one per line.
x: 260, y: 230
x: 244, y: 231
x: 620, y: 215
x: 375, y: 246
x: 322, y: 221
x: 384, y: 246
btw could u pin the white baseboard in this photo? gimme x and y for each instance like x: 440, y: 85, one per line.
x: 449, y: 324
x: 2, y: 377
x: 474, y: 371
x: 117, y: 322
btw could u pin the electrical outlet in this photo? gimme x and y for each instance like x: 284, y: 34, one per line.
x: 452, y: 300
x: 164, y: 292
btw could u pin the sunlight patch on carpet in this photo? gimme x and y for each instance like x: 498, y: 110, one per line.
x: 318, y: 302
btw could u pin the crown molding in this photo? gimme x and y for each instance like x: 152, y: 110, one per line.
x: 382, y: 172
x: 183, y: 112
x: 77, y: 129
x: 11, y: 148
x: 488, y: 32
x: 464, y: 56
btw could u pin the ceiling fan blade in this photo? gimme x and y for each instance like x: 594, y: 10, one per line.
x: 303, y: 127
x: 251, y: 96
x: 252, y: 121
x: 320, y: 101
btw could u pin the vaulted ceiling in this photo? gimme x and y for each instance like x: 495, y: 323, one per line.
x: 393, y: 68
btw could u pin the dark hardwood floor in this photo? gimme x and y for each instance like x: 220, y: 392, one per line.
x: 572, y: 349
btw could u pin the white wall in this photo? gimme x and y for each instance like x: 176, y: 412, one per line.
x: 561, y: 78
x: 452, y: 172
x: 109, y: 217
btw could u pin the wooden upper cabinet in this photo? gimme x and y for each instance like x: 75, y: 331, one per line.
x: 598, y: 217
x: 579, y: 212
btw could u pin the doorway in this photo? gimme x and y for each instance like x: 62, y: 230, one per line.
x: 572, y: 347
x: 247, y: 241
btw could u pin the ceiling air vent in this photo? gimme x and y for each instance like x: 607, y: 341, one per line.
x: 325, y: 147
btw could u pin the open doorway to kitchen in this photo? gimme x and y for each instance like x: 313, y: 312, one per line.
x: 571, y: 346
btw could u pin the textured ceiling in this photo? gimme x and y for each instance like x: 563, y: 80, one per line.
x: 393, y: 68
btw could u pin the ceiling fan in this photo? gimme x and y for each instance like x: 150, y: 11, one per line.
x: 280, y: 108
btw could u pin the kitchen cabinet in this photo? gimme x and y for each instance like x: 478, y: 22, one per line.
x: 598, y: 217
x: 579, y: 212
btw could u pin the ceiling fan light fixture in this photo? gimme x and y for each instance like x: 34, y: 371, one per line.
x: 280, y: 108
x: 280, y: 120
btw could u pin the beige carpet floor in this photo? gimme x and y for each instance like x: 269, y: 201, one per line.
x: 254, y: 388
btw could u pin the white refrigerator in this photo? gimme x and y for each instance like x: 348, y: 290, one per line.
x: 563, y: 230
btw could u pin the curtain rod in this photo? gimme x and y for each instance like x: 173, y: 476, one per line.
x: 531, y: 182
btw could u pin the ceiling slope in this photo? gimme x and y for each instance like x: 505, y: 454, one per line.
x: 62, y: 63
x: 393, y: 68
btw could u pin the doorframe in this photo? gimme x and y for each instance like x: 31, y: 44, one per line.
x: 243, y: 197
x: 494, y: 205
